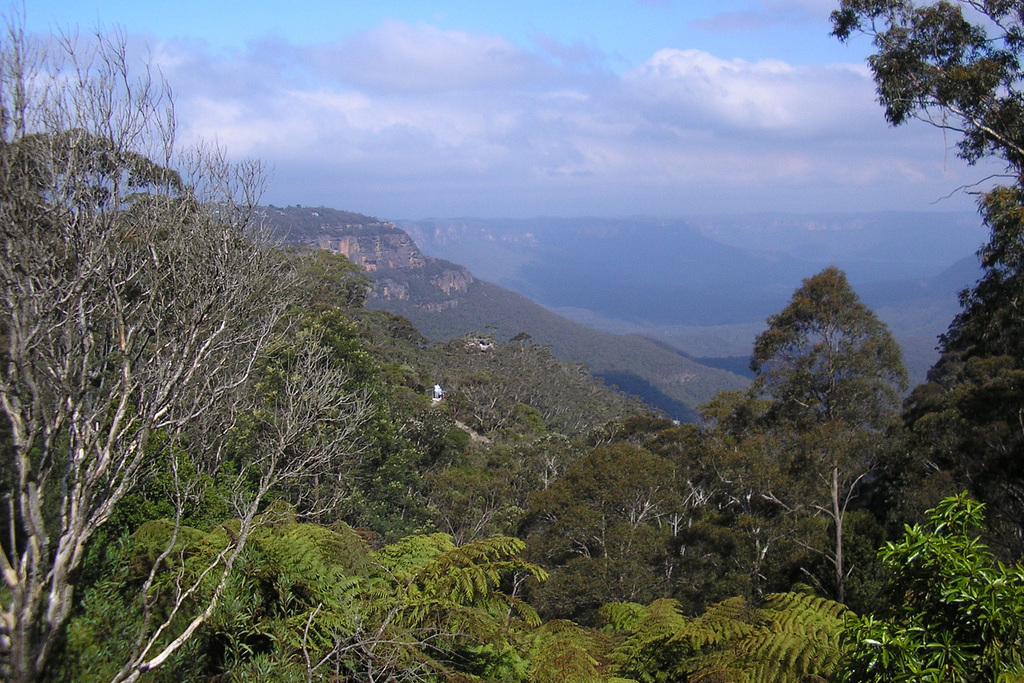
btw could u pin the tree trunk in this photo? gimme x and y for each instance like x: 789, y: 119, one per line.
x: 837, y: 517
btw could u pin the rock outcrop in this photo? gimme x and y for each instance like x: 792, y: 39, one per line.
x: 401, y: 272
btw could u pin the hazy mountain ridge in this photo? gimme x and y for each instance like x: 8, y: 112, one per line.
x: 706, y: 284
x: 770, y: 250
x: 444, y: 300
x: 671, y: 295
x: 924, y: 240
x: 635, y: 269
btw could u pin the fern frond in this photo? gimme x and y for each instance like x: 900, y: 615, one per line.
x: 413, y: 552
x: 623, y: 616
x: 562, y: 651
x: 793, y: 638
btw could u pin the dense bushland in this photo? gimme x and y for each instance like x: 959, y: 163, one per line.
x: 218, y: 465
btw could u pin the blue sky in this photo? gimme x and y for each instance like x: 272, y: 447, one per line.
x: 513, y: 109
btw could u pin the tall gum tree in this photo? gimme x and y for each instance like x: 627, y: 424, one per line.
x: 952, y: 63
x: 828, y: 381
x: 957, y: 65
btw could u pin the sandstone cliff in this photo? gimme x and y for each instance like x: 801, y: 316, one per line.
x: 399, y: 269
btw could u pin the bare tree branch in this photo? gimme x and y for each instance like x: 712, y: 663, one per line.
x: 138, y: 294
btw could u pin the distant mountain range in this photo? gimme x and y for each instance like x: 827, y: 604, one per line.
x: 444, y: 300
x: 704, y: 285
x: 665, y: 310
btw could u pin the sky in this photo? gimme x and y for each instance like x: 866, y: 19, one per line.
x: 521, y: 108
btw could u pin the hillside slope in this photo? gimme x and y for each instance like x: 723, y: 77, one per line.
x: 444, y: 300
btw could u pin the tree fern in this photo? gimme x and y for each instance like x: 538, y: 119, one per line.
x: 449, y: 599
x: 791, y: 637
x: 412, y: 552
x: 650, y: 650
x: 311, y: 602
x: 623, y: 616
x: 799, y: 642
x: 295, y: 591
x: 562, y: 651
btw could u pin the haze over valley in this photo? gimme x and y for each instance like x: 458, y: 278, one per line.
x: 754, y: 134
x: 666, y: 310
x: 706, y: 284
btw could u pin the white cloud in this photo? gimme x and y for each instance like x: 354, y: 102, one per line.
x: 412, y: 121
x: 402, y: 57
x: 695, y: 88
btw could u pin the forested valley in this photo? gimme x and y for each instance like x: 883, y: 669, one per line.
x: 219, y: 465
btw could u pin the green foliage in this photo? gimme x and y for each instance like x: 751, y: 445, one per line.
x: 444, y: 602
x: 520, y: 389
x: 990, y: 325
x: 649, y: 652
x: 439, y: 573
x: 958, y: 615
x: 790, y: 637
x: 562, y: 651
x: 953, y: 63
x: 101, y: 634
x: 328, y: 280
x: 602, y: 524
x: 472, y: 503
x: 299, y: 586
x: 413, y: 552
x: 419, y: 604
x: 827, y: 357
x: 372, y: 480
x: 957, y: 64
x: 800, y: 643
x: 113, y: 610
x: 812, y: 425
x: 966, y: 418
x: 309, y: 602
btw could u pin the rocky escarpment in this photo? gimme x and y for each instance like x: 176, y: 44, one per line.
x: 401, y: 272
x: 372, y: 252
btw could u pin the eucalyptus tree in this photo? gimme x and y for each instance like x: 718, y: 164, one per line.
x: 832, y: 375
x: 137, y: 293
x: 958, y: 65
x: 827, y: 385
x: 953, y: 63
